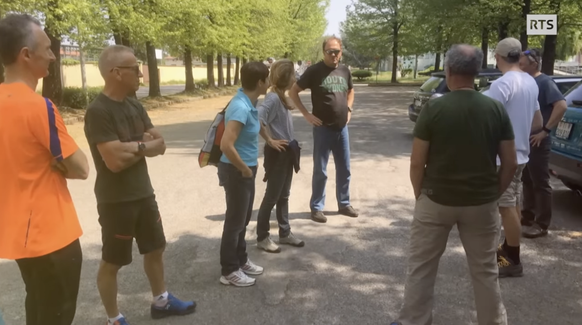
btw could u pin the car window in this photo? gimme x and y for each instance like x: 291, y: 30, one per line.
x: 575, y: 93
x: 565, y: 86
x: 431, y: 84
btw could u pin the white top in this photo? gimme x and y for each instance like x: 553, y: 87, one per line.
x: 518, y: 92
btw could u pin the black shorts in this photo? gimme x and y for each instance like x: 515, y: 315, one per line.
x: 121, y: 222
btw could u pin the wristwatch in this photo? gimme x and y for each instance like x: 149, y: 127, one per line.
x: 140, y: 146
x: 350, y: 109
x: 548, y: 131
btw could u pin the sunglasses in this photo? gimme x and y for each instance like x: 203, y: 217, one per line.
x: 531, y: 56
x: 334, y: 52
x: 134, y: 68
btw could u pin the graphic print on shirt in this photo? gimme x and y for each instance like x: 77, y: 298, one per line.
x: 335, y: 84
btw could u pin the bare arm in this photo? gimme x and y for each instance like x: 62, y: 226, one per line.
x: 538, y: 122
x: 418, y: 160
x: 77, y: 165
x: 351, y: 95
x: 119, y: 155
x: 508, y: 158
x: 155, y: 147
x: 294, y: 95
x: 229, y: 137
x: 560, y: 108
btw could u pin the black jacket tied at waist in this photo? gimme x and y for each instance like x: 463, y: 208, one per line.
x: 271, y: 155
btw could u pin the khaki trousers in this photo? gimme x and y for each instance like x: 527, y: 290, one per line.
x: 478, y: 228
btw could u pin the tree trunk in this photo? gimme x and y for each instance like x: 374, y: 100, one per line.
x: 550, y: 44
x: 219, y: 66
x: 83, y: 76
x: 437, y: 62
x: 549, y: 54
x: 394, y: 51
x: 1, y: 72
x: 523, y: 37
x: 52, y: 85
x: 245, y: 60
x: 190, y: 86
x: 237, y: 70
x: 228, y: 73
x: 415, y: 65
x: 210, y: 70
x: 485, y: 46
x: 153, y: 72
x: 503, y: 29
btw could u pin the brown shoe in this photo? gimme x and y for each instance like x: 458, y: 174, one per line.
x: 348, y: 211
x: 318, y: 216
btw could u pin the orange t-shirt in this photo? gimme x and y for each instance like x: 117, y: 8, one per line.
x: 37, y: 215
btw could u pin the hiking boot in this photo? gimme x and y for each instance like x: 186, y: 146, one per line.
x: 348, y: 211
x: 507, y: 268
x: 318, y: 216
x: 174, y: 307
x: 238, y: 279
x: 534, y: 231
x: 268, y: 245
x: 291, y: 240
x: 251, y: 268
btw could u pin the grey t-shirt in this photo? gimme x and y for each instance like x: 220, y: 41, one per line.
x: 278, y: 119
x: 548, y: 95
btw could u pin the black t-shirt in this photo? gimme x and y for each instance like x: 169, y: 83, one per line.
x: 108, y: 120
x: 464, y: 129
x: 329, y: 92
x: 549, y: 93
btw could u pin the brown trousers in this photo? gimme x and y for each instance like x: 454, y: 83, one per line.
x: 478, y: 228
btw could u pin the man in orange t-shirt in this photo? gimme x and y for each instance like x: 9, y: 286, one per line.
x: 39, y: 227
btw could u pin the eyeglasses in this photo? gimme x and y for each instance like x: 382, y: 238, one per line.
x: 334, y: 52
x: 135, y: 68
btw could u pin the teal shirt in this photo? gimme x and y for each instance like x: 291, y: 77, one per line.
x: 242, y: 110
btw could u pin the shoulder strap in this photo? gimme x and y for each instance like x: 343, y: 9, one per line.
x: 225, y: 107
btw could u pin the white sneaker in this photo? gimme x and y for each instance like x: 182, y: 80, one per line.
x: 238, y: 278
x: 251, y: 269
x: 291, y: 240
x: 268, y: 245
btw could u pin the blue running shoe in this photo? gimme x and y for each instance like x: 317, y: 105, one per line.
x: 174, y: 307
x: 121, y: 321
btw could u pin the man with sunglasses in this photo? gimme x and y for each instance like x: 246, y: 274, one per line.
x: 332, y: 97
x: 121, y: 135
x: 536, y: 175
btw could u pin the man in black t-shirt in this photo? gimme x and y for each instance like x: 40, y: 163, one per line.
x: 332, y: 97
x: 537, y: 192
x: 120, y: 135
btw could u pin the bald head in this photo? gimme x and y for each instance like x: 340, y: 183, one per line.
x: 114, y: 56
x: 464, y: 60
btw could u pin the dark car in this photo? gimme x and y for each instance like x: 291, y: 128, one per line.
x: 566, y: 155
x: 436, y: 85
x: 564, y: 82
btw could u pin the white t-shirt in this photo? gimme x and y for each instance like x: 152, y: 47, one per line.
x: 518, y: 92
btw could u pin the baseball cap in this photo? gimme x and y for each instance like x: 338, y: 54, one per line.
x: 508, y: 47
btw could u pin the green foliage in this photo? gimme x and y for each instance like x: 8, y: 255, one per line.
x: 74, y: 97
x: 69, y: 62
x: 362, y: 74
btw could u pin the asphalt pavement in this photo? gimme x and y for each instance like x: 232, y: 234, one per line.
x: 350, y: 272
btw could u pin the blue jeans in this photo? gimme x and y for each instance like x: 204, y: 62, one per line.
x: 326, y: 140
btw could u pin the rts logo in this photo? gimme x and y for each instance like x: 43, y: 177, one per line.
x: 542, y: 24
